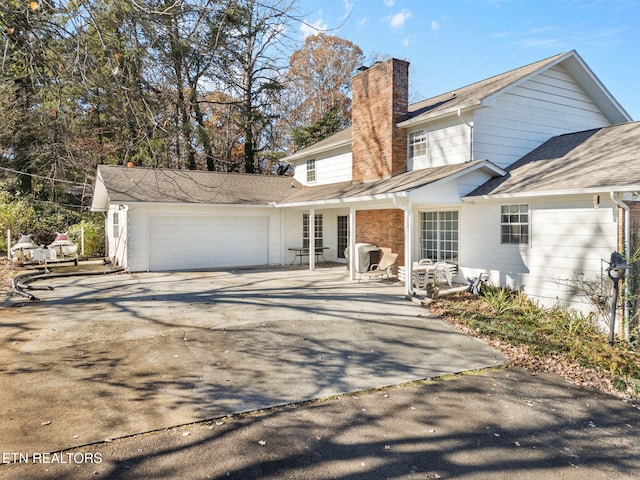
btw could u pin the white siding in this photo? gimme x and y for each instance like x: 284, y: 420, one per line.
x: 329, y: 169
x: 567, y: 237
x: 450, y: 191
x: 523, y: 118
x: 292, y: 226
x: 116, y: 245
x: 447, y: 144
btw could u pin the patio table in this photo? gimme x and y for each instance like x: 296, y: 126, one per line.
x: 300, y: 252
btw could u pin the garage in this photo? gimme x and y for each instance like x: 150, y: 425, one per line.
x: 207, y: 241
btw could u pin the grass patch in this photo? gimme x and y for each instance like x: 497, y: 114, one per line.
x: 510, y: 317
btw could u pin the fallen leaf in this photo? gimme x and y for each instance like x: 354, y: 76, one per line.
x: 262, y: 442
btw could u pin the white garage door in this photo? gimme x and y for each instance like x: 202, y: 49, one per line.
x: 207, y: 241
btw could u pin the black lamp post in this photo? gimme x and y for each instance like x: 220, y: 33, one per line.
x: 616, y: 271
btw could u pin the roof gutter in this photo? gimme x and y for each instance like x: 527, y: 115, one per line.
x: 420, y: 119
x: 338, y: 201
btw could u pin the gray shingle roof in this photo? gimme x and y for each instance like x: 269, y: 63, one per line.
x: 188, y: 186
x: 601, y: 159
x: 475, y: 92
x: 400, y: 183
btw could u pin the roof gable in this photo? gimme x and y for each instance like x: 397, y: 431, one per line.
x: 485, y: 92
x: 603, y: 159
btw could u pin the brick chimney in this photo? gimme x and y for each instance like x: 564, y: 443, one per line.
x: 380, y: 98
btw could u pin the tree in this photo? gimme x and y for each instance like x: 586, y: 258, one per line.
x: 319, y: 87
x: 250, y: 65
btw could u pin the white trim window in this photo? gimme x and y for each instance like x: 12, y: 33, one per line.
x: 514, y: 224
x: 115, y: 221
x: 343, y: 235
x: 439, y: 236
x: 317, y: 218
x: 418, y: 142
x: 311, y: 170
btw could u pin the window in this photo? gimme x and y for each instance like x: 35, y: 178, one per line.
x: 305, y: 230
x: 418, y: 144
x: 514, y: 224
x: 116, y: 224
x: 439, y: 236
x: 343, y: 234
x: 311, y: 170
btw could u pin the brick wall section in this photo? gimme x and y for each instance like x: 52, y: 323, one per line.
x: 384, y: 228
x: 380, y: 98
x: 634, y: 211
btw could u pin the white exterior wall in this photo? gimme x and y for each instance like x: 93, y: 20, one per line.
x: 447, y: 144
x: 292, y: 232
x: 330, y: 168
x: 567, y: 237
x: 138, y: 228
x: 528, y: 115
x: 116, y: 246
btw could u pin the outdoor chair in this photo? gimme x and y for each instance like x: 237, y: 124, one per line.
x: 381, y: 270
x: 442, y: 273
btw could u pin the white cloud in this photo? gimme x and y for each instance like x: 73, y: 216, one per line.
x: 307, y: 29
x: 398, y: 20
x: 389, y: 3
x: 406, y: 41
x: 435, y: 26
x: 362, y: 21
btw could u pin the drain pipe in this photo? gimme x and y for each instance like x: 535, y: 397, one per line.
x: 470, y: 125
x: 408, y: 243
x: 627, y: 246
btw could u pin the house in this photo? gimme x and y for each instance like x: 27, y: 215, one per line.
x: 491, y: 176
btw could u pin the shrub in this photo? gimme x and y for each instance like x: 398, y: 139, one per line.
x: 93, y: 236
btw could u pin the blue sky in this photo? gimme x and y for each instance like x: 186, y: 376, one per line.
x: 453, y: 43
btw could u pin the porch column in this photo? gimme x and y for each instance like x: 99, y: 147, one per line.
x: 408, y: 248
x: 352, y: 243
x: 312, y: 239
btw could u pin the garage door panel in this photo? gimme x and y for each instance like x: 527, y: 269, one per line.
x: 189, y: 242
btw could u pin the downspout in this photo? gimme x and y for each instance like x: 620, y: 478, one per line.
x: 408, y: 243
x: 627, y: 246
x: 470, y: 125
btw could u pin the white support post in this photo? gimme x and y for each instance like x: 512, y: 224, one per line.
x: 312, y: 239
x: 82, y: 240
x: 9, y: 244
x: 408, y: 249
x: 352, y: 243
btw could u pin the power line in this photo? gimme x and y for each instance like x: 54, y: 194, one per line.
x: 43, y: 177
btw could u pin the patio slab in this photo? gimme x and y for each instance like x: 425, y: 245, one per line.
x: 103, y: 357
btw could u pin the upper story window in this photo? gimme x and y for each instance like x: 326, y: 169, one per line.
x: 418, y: 144
x: 311, y: 170
x: 514, y: 224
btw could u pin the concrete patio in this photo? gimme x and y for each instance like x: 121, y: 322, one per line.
x: 102, y: 357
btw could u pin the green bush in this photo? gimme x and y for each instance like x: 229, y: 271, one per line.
x: 511, y: 317
x: 93, y: 236
x: 21, y: 214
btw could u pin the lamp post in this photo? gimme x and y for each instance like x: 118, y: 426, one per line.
x: 616, y: 271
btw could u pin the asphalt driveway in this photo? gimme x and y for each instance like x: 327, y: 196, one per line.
x: 102, y: 357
